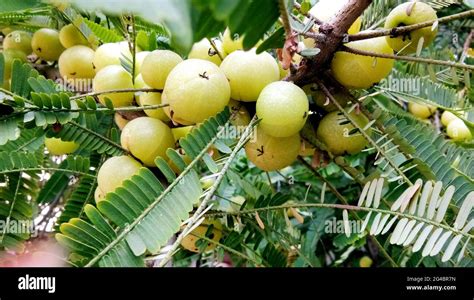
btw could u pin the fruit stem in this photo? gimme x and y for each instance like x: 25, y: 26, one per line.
x: 213, y: 44
x: 404, y: 29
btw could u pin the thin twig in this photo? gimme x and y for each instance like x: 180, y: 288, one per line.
x: 209, y: 195
x: 407, y: 58
x: 214, y: 46
x: 132, y: 90
x: 405, y: 29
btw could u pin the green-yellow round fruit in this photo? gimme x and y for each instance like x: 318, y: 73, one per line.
x: 447, y: 117
x: 139, y: 58
x: 189, y: 241
x: 283, y: 109
x: 195, y: 90
x: 406, y: 14
x: 153, y: 99
x: 336, y: 133
x: 181, y: 132
x: 9, y: 56
x: 75, y: 66
x: 70, y: 36
x: 147, y: 138
x: 249, y: 73
x: 106, y: 55
x: 19, y: 40
x: 321, y: 100
x: 324, y: 11
x: 240, y: 116
x: 361, y: 72
x: 113, y: 78
x: 204, y: 50
x: 56, y: 146
x: 99, y: 195
x: 231, y: 43
x: 157, y: 66
x: 120, y: 121
x: 421, y: 111
x: 46, y: 44
x: 365, y: 262
x: 269, y: 153
x: 114, y: 171
x: 458, y: 131
x: 110, y: 54
x: 139, y: 84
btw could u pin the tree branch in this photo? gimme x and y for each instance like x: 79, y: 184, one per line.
x: 405, y: 29
x: 334, y: 30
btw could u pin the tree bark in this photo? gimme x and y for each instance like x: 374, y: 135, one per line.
x: 334, y: 30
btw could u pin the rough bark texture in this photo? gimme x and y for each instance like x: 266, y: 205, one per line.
x: 334, y: 31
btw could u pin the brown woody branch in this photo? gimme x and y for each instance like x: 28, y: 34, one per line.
x: 334, y: 31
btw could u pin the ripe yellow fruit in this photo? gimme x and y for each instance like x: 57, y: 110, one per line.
x: 147, y: 138
x: 113, y: 78
x: 70, y: 36
x: 325, y: 10
x: 190, y: 241
x: 139, y: 84
x: 56, y: 146
x: 410, y: 13
x: 153, y: 99
x: 249, y: 73
x: 335, y: 132
x: 19, y: 40
x: 139, y: 58
x: 239, y: 114
x: 204, y: 50
x: 181, y: 132
x: 110, y: 54
x: 447, y: 117
x: 120, y: 121
x: 114, y: 171
x: 323, y: 101
x: 270, y: 153
x: 46, y: 44
x: 458, y: 131
x: 195, y: 90
x: 99, y: 195
x: 283, y: 109
x: 365, y: 262
x: 157, y: 66
x: 421, y: 111
x: 232, y: 43
x: 75, y: 66
x: 9, y: 56
x: 362, y: 72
